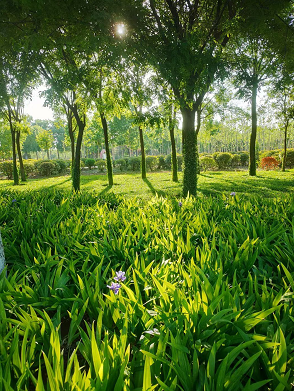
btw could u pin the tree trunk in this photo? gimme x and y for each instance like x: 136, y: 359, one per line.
x: 198, y: 112
x: 107, y: 149
x: 2, y: 257
x: 48, y: 156
x: 252, y: 154
x: 72, y: 138
x: 143, y: 158
x: 285, y: 145
x: 21, y: 167
x: 189, y: 152
x: 173, y: 146
x: 76, y: 168
x: 15, y: 172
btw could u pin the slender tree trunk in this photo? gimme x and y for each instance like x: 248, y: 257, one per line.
x: 107, y: 149
x: 76, y: 168
x: 285, y: 145
x: 48, y: 156
x: 143, y: 158
x: 15, y: 171
x: 2, y: 257
x: 21, y: 167
x: 189, y: 152
x: 198, y: 112
x: 252, y: 154
x: 173, y: 145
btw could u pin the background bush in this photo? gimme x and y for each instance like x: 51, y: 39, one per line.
x: 151, y: 163
x: 89, y: 163
x: 207, y: 163
x: 269, y: 163
x: 7, y: 168
x: 223, y: 159
x: 101, y: 165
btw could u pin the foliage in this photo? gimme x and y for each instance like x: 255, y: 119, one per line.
x: 121, y: 163
x: 206, y: 303
x: 134, y: 163
x: 236, y: 160
x: 244, y: 159
x: 161, y: 163
x: 207, y: 163
x: 89, y: 163
x: 101, y: 165
x: 269, y: 163
x: 168, y: 160
x: 46, y: 167
x: 223, y: 159
x: 29, y: 167
x: 151, y: 162
x: 289, y: 157
x: 7, y: 168
x: 45, y: 139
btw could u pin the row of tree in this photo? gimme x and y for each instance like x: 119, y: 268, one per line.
x: 118, y: 58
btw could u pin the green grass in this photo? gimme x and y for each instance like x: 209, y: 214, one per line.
x: 207, y: 303
x: 266, y: 184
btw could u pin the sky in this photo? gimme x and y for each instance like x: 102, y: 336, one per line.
x: 36, y: 109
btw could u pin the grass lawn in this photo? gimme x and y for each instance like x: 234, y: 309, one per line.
x: 265, y: 184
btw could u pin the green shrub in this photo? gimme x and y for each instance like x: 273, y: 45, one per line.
x: 244, y: 159
x: 90, y: 163
x: 7, y: 168
x: 223, y: 159
x: 236, y: 160
x: 134, y: 163
x: 207, y: 163
x: 121, y: 164
x: 29, y: 167
x: 101, y: 165
x: 62, y: 165
x: 168, y: 160
x: 161, y: 163
x: 151, y: 163
x: 289, y: 157
x: 47, y: 167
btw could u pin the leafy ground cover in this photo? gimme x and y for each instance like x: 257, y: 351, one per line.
x: 266, y: 184
x: 204, y: 301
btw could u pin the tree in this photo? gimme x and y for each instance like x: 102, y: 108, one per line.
x: 254, y: 62
x: 184, y: 41
x: 45, y: 140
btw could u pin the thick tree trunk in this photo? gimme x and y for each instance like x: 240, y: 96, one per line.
x: 252, y: 154
x: 21, y: 167
x: 285, y: 145
x: 107, y: 149
x: 173, y: 146
x: 76, y: 168
x: 2, y: 257
x: 189, y: 152
x: 15, y: 171
x: 143, y: 157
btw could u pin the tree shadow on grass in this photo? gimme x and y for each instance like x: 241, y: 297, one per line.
x: 106, y: 190
x: 160, y: 193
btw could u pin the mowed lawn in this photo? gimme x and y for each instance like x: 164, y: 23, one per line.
x: 265, y: 184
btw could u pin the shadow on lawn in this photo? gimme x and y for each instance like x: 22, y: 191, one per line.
x: 153, y: 190
x: 257, y: 185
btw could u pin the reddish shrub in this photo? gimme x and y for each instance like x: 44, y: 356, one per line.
x: 269, y: 163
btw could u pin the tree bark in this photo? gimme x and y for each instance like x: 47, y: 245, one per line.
x: 198, y: 112
x: 252, y: 154
x: 15, y: 172
x: 48, y: 156
x: 107, y: 149
x: 285, y: 145
x: 143, y: 158
x: 173, y: 145
x: 21, y: 167
x: 189, y: 152
x: 2, y: 257
x: 76, y: 168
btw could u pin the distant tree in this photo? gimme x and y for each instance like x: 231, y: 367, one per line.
x: 45, y: 140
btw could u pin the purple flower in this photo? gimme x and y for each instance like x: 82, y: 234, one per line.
x: 14, y: 200
x: 233, y: 193
x: 180, y: 204
x: 114, y: 287
x: 120, y: 276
